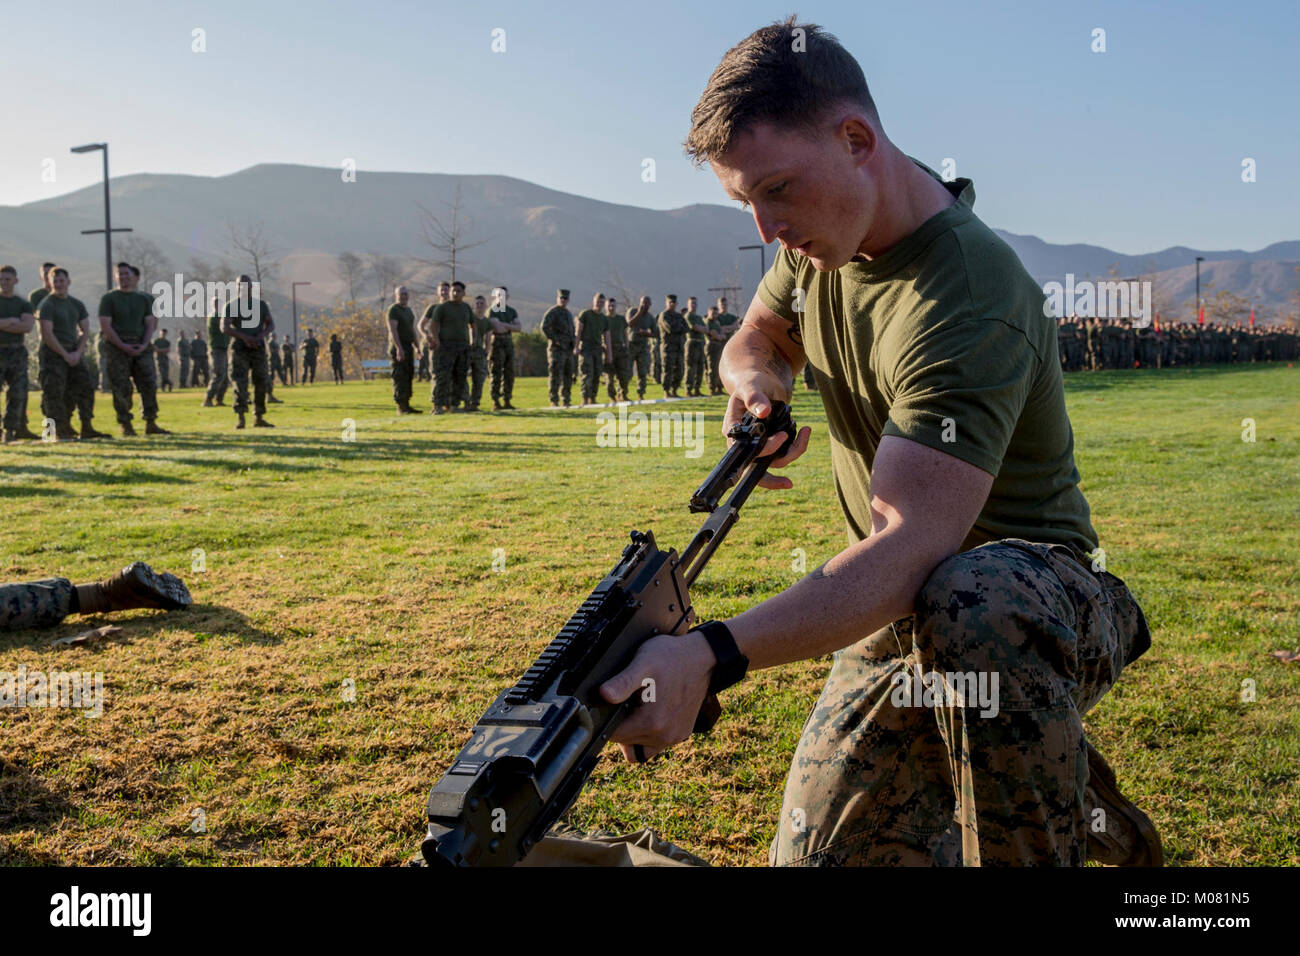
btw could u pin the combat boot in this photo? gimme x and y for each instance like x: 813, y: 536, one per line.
x: 153, y: 428
x: 507, y: 405
x: 240, y: 424
x: 8, y: 437
x: 136, y: 585
x: 64, y: 432
x: 206, y: 403
x: 1128, y: 837
x: 127, y: 430
x: 260, y: 422
x: 88, y: 432
x: 26, y: 434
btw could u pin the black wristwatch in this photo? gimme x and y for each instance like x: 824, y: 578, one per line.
x: 731, y: 664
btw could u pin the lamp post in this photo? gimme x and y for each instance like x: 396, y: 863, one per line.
x: 762, y: 258
x: 1199, y: 260
x: 108, y: 229
x: 295, y: 310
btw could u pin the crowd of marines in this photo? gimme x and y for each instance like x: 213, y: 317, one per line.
x: 132, y: 358
x: 601, y: 346
x: 1091, y: 344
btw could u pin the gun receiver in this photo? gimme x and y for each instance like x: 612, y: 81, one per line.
x: 530, y: 754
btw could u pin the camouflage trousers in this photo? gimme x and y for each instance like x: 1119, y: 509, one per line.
x: 694, y: 365
x: 894, y: 769
x: 220, y: 376
x: 450, y: 367
x: 403, y: 371
x: 673, y: 361
x: 593, y: 370
x: 715, y: 358
x: 503, y: 368
x: 124, y: 369
x: 13, y: 380
x: 185, y: 371
x: 560, y: 361
x: 478, y: 371
x: 164, y: 370
x: 63, y: 387
x: 243, y: 363
x: 639, y: 355
x: 200, y: 370
x: 309, y: 369
x: 657, y: 360
x: 620, y: 369
x: 36, y: 603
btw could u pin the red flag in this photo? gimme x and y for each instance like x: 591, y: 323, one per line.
x: 1200, y: 318
x: 1252, y: 316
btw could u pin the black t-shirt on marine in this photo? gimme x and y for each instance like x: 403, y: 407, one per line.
x: 942, y: 340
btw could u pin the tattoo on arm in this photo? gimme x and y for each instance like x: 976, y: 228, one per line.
x: 795, y: 336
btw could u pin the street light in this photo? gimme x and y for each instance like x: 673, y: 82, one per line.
x: 108, y: 229
x: 1199, y: 260
x: 762, y: 258
x: 295, y: 310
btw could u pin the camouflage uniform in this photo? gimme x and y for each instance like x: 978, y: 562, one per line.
x: 502, y: 359
x: 620, y: 367
x: 63, y: 388
x: 244, y: 362
x: 695, y: 340
x: 642, y: 344
x: 592, y: 348
x: 35, y: 603
x: 13, y: 379
x: 124, y: 369
x: 183, y: 351
x: 162, y: 348
x: 672, y: 334
x: 877, y: 780
x: 557, y: 326
x: 480, y: 329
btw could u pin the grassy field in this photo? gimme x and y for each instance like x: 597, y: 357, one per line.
x: 371, y: 560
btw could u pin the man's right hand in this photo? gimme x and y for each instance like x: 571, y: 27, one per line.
x: 756, y: 394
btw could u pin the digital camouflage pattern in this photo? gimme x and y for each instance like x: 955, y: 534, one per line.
x: 124, y: 369
x: 35, y: 603
x: 13, y: 380
x: 874, y: 783
x: 246, y: 362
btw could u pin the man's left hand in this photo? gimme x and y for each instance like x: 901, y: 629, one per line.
x: 672, y: 676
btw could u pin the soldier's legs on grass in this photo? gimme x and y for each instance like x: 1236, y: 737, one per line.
x: 885, y: 775
x: 119, y: 381
x: 402, y: 370
x: 53, y: 377
x: 142, y: 372
x: 13, y: 380
x: 36, y: 603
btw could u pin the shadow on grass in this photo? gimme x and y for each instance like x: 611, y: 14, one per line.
x: 27, y: 804
x: 132, y: 475
x: 204, y: 620
x: 303, y: 446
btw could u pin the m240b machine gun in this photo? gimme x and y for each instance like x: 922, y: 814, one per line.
x: 532, y: 751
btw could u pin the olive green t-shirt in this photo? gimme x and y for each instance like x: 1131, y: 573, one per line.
x: 37, y: 295
x: 127, y: 312
x: 593, y: 327
x: 725, y: 322
x: 617, y: 331
x: 64, y: 315
x: 480, y: 330
x: 693, y: 320
x: 506, y: 316
x: 14, y: 307
x: 942, y: 340
x: 672, y: 326
x: 405, y: 319
x: 220, y: 340
x: 452, y: 320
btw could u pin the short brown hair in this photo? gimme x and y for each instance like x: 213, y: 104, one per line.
x: 787, y: 73
x: 8, y: 268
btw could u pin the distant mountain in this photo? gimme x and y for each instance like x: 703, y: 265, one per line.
x: 533, y: 238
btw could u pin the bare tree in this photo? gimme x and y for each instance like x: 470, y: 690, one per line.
x: 615, y: 281
x: 387, y: 271
x: 351, y: 270
x: 446, y: 235
x: 145, y: 255
x: 250, y: 248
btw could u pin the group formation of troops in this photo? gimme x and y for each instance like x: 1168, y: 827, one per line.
x: 1090, y: 344
x: 131, y: 358
x: 607, y: 347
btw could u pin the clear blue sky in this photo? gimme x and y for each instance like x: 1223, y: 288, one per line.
x: 1137, y: 148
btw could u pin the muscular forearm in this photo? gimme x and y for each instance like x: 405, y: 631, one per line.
x: 751, y: 351
x: 857, y: 592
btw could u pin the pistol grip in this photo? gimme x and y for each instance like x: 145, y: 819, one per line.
x: 709, y: 713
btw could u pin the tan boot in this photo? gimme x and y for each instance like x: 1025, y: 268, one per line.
x: 1128, y: 837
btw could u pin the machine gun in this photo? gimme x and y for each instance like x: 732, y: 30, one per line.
x: 532, y: 751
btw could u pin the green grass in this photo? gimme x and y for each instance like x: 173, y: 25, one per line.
x: 372, y: 560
